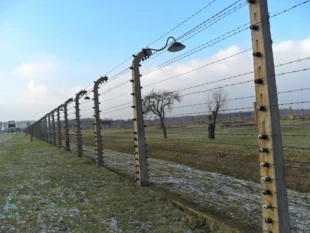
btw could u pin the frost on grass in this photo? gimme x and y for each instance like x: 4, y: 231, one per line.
x: 42, y: 193
x: 236, y: 198
x: 113, y: 225
x: 4, y: 137
x: 239, y: 199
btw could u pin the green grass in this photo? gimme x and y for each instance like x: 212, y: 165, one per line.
x: 229, y: 154
x: 44, y: 189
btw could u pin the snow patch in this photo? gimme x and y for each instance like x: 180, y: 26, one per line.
x: 240, y: 199
x: 113, y: 224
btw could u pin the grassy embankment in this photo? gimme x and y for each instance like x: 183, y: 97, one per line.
x: 44, y: 189
x: 234, y: 152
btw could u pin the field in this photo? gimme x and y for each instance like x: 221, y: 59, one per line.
x: 44, y: 189
x: 234, y: 152
x: 220, y: 175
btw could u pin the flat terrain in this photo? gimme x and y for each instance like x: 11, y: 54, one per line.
x: 44, y: 189
x: 222, y: 174
x: 224, y: 196
x: 234, y: 152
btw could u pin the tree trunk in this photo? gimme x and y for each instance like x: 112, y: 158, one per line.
x: 211, y: 126
x: 163, y: 127
x: 211, y: 130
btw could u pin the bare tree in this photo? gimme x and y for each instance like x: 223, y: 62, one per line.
x: 216, y: 101
x: 106, y: 122
x: 158, y: 102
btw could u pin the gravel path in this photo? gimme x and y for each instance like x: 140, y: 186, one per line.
x: 240, y: 199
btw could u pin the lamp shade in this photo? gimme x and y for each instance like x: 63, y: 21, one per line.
x: 176, y: 47
x: 86, y: 98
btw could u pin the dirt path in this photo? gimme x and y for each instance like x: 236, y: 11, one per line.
x: 237, y: 198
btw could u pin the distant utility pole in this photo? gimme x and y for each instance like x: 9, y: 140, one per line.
x: 275, y: 215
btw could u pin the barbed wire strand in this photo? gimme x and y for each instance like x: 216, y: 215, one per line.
x: 183, y: 22
x: 217, y: 40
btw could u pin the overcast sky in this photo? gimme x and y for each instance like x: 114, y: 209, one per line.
x: 49, y: 50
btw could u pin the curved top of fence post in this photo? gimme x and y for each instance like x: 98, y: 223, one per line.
x: 59, y: 107
x: 79, y: 94
x: 102, y: 79
x: 68, y: 101
x: 52, y: 112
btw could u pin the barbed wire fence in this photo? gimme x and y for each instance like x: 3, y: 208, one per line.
x: 263, y: 186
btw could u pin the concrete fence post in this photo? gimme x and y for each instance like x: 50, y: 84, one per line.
x: 67, y: 137
x: 53, y: 128
x: 79, y: 151
x: 35, y: 129
x: 45, y: 128
x: 59, y: 126
x: 142, y: 177
x: 97, y: 123
x: 50, y: 134
x: 41, y: 129
x: 275, y: 215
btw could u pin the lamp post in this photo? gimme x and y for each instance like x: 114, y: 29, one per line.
x: 139, y: 133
